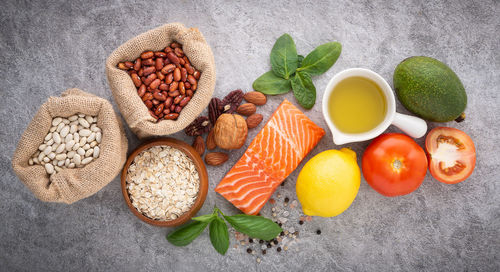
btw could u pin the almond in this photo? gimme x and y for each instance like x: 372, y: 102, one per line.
x: 254, y: 120
x: 211, y: 140
x: 216, y: 158
x: 199, y: 145
x: 256, y: 98
x: 246, y: 109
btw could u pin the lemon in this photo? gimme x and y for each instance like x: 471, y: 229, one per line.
x: 328, y: 183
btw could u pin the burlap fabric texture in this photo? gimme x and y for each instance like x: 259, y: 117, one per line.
x: 130, y: 104
x: 71, y: 185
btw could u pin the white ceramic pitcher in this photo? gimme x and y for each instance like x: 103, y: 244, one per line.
x: 413, y: 126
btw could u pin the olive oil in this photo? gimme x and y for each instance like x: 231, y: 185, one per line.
x: 357, y: 105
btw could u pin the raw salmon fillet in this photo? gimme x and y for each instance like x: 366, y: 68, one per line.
x: 273, y: 155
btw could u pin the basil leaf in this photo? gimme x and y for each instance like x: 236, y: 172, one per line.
x: 304, y: 89
x: 254, y: 226
x: 219, y: 236
x: 300, y: 59
x: 284, y: 57
x: 270, y: 84
x: 186, y: 234
x: 321, y: 59
x: 205, y: 218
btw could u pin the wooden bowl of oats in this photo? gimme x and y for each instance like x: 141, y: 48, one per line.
x: 164, y: 182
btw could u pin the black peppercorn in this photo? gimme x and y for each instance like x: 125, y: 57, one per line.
x: 287, y: 199
x: 279, y: 224
x: 269, y: 245
x: 250, y: 240
x: 261, y: 241
x: 264, y: 252
x: 282, y: 233
x: 275, y: 241
x: 278, y: 249
x: 301, y: 222
x: 249, y: 250
x: 318, y: 232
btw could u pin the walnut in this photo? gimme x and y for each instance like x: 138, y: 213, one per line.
x: 230, y: 131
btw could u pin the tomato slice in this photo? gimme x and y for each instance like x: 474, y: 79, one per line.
x: 452, y: 155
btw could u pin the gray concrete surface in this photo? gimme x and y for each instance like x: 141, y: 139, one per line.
x: 49, y: 46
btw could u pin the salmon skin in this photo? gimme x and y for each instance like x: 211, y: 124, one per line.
x: 273, y: 155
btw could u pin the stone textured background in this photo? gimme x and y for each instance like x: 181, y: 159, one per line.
x: 49, y: 46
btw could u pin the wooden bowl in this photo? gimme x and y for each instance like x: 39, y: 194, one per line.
x: 200, y: 167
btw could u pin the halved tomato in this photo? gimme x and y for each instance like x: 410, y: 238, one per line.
x: 452, y: 155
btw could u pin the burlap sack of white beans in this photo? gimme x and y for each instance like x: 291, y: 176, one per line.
x: 132, y: 108
x: 70, y: 185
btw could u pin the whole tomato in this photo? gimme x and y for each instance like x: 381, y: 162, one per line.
x: 394, y: 164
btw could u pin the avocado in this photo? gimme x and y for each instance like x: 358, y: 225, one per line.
x: 430, y: 89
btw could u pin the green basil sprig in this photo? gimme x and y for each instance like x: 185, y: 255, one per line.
x: 251, y: 225
x: 284, y: 58
x: 254, y: 226
x: 304, y: 89
x: 292, y: 71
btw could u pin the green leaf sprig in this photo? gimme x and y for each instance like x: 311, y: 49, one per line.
x: 292, y: 71
x: 251, y: 225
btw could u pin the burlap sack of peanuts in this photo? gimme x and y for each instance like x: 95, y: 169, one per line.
x: 125, y: 93
x: 71, y: 185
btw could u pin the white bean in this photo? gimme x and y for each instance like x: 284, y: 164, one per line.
x: 73, y: 118
x: 89, y: 119
x: 61, y: 157
x: 47, y: 150
x: 59, y: 127
x: 83, y: 141
x: 68, y: 138
x: 85, y: 132
x: 64, y: 131
x: 80, y: 151
x: 89, y: 152
x: 48, y: 137
x: 42, y: 147
x: 91, y: 137
x: 71, y: 154
x: 60, y: 148
x: 72, y: 128
x: 52, y: 155
x: 96, y: 152
x: 49, y: 168
x: 83, y: 122
x: 87, y: 160
x: 56, y: 121
x: 77, y: 159
x: 56, y: 137
x: 69, y: 145
x: 98, y: 137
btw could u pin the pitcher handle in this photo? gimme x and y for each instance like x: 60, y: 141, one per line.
x: 411, y: 125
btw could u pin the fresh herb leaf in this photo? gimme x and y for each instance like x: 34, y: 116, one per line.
x: 321, y: 59
x: 270, y: 84
x: 205, y: 218
x: 254, y: 226
x: 284, y: 59
x: 186, y: 234
x: 219, y: 236
x: 300, y: 59
x: 304, y: 89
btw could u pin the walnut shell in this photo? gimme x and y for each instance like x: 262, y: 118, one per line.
x: 230, y: 131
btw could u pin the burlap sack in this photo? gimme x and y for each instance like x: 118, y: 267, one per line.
x: 71, y: 185
x: 125, y: 93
